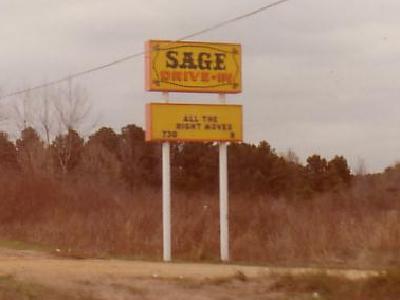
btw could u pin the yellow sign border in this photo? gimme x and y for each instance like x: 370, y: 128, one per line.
x: 149, y: 119
x: 150, y: 69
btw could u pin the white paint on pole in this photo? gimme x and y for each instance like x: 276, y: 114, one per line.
x: 166, y: 196
x: 166, y: 207
x: 223, y: 196
x: 223, y: 202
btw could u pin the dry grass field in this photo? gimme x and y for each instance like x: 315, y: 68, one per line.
x: 89, y: 220
x: 88, y: 241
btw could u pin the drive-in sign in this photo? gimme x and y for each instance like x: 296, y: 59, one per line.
x: 193, y: 67
x: 193, y: 122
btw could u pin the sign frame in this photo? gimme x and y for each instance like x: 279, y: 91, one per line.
x: 151, y: 70
x: 149, y: 123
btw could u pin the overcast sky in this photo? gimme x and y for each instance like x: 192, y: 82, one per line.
x: 320, y: 76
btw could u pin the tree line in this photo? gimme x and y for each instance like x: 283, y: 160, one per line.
x: 125, y: 159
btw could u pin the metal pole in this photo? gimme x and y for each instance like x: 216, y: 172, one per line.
x: 166, y: 196
x: 223, y: 197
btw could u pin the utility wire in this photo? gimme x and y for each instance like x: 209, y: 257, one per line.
x: 233, y: 20
x: 141, y: 53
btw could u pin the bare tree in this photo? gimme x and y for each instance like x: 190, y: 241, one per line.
x: 67, y: 149
x: 291, y: 156
x: 46, y: 116
x: 70, y: 115
x: 59, y: 115
x: 53, y: 111
x: 72, y: 108
x: 361, y: 167
x: 22, y: 112
x: 4, y: 115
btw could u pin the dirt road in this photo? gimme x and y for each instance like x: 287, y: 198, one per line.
x: 118, y: 279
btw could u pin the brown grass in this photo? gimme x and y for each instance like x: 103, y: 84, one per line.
x: 82, y: 218
x: 17, y: 290
x: 321, y: 286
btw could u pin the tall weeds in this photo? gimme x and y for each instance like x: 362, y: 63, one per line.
x: 82, y: 216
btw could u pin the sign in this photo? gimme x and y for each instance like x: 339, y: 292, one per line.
x: 193, y: 67
x: 193, y: 122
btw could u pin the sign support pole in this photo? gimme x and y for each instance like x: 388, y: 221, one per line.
x: 166, y: 196
x: 223, y: 196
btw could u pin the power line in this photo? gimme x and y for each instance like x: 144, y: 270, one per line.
x: 141, y: 53
x: 233, y: 20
